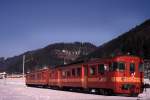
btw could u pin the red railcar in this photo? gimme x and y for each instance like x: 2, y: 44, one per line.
x: 127, y: 74
x: 119, y: 75
x: 38, y: 78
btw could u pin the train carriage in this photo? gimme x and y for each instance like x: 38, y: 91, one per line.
x: 118, y: 75
x: 97, y: 76
x: 127, y: 74
x: 71, y: 76
x: 38, y: 78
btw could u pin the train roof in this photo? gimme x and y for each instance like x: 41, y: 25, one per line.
x: 38, y: 70
x: 88, y: 61
x: 95, y: 60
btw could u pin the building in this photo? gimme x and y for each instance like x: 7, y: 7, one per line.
x: 2, y: 75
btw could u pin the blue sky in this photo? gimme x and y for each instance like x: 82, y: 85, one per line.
x: 32, y: 24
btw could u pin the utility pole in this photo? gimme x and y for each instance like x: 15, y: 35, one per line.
x: 64, y: 51
x: 23, y: 65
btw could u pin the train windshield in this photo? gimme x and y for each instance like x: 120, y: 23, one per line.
x: 132, y: 67
x: 117, y: 66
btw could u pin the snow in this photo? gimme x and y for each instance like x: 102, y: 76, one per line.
x: 146, y: 81
x: 145, y: 95
x: 15, y: 89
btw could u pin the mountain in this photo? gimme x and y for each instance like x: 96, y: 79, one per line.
x: 2, y: 63
x: 52, y: 55
x: 134, y: 42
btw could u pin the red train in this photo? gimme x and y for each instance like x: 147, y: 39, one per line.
x: 118, y: 75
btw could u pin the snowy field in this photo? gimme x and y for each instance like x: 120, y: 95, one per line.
x: 15, y: 89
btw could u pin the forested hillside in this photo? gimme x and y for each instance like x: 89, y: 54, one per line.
x: 134, y: 42
x: 51, y: 55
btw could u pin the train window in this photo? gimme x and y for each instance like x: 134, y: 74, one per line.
x: 92, y: 70
x: 73, y: 72
x: 121, y: 66
x: 39, y: 76
x: 43, y: 76
x: 141, y: 66
x: 33, y: 77
x: 63, y: 74
x: 101, y: 68
x: 114, y: 66
x: 78, y: 71
x: 68, y: 74
x: 132, y: 67
x: 117, y: 66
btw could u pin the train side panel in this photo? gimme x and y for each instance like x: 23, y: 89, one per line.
x: 38, y: 77
x: 71, y: 76
x: 54, y: 77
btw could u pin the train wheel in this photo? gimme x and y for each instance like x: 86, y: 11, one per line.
x: 45, y: 86
x: 110, y: 92
x: 106, y: 92
x: 101, y: 91
x: 86, y: 90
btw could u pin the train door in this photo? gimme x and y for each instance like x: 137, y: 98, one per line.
x: 59, y: 77
x: 84, y: 76
x: 119, y: 74
x: 103, y: 75
x: 92, y: 76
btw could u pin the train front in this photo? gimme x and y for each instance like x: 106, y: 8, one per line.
x: 127, y: 75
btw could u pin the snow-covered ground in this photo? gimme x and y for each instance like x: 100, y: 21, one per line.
x: 146, y: 81
x: 15, y: 89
